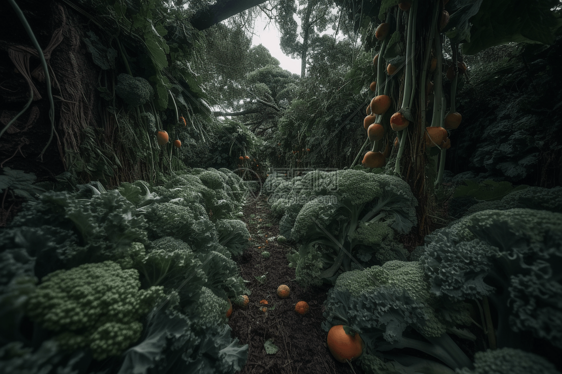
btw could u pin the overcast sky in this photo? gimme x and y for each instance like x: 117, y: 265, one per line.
x: 269, y: 38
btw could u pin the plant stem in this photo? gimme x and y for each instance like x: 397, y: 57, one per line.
x: 425, y: 67
x: 359, y: 153
x: 489, y: 324
x: 437, y: 119
x: 35, y: 43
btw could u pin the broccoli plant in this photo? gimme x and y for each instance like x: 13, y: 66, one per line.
x: 509, y: 361
x: 93, y: 305
x: 233, y: 234
x: 134, y: 91
x: 392, y: 308
x: 507, y: 259
x: 351, y: 226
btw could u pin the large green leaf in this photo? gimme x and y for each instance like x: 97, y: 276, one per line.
x: 385, y: 6
x: 458, y: 28
x: 503, y: 21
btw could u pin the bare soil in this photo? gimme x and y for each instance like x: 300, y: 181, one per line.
x: 300, y: 339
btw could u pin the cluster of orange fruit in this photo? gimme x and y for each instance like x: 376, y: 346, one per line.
x: 283, y: 292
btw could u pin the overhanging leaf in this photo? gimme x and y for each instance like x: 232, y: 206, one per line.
x: 503, y: 21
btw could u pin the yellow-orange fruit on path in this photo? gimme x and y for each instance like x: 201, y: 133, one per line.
x: 283, y: 291
x: 177, y: 143
x: 162, y: 137
x: 382, y: 31
x: 342, y: 346
x: 264, y: 302
x: 368, y: 121
x: 452, y: 121
x: 375, y: 132
x: 373, y: 160
x: 302, y: 307
x: 246, y: 300
x: 435, y: 136
x: 380, y: 104
x: 398, y: 122
x: 373, y: 86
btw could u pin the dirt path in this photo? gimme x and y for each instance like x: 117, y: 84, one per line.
x: 300, y: 339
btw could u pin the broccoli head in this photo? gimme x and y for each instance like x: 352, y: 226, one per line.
x: 510, y: 257
x: 134, y: 91
x: 93, y: 305
x: 509, y: 361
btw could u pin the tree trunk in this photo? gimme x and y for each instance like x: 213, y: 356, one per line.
x: 306, y: 33
x: 220, y: 11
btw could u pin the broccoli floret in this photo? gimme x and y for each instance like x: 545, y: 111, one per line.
x: 391, y: 306
x: 509, y: 361
x: 355, y: 223
x: 134, y: 91
x: 510, y: 257
x: 538, y: 198
x: 172, y: 264
x: 209, y: 310
x: 222, y: 275
x: 212, y: 180
x: 190, y: 224
x: 358, y: 281
x: 233, y: 234
x: 94, y: 305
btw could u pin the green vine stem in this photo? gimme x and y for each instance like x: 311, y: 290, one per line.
x: 20, y: 113
x: 407, y: 94
x: 360, y: 152
x: 443, y: 154
x: 425, y: 72
x: 489, y: 324
x: 31, y: 35
x: 437, y: 120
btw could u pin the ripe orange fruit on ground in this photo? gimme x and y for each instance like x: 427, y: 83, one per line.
x: 283, y: 291
x: 177, y: 143
x: 264, y: 302
x: 246, y: 300
x: 302, y: 307
x: 373, y: 160
x: 342, y: 346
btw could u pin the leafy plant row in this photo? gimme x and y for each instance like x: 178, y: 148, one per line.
x: 480, y: 296
x: 131, y: 280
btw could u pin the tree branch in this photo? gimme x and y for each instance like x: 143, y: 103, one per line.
x: 219, y: 11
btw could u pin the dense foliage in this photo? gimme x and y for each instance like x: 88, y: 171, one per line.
x: 134, y: 279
